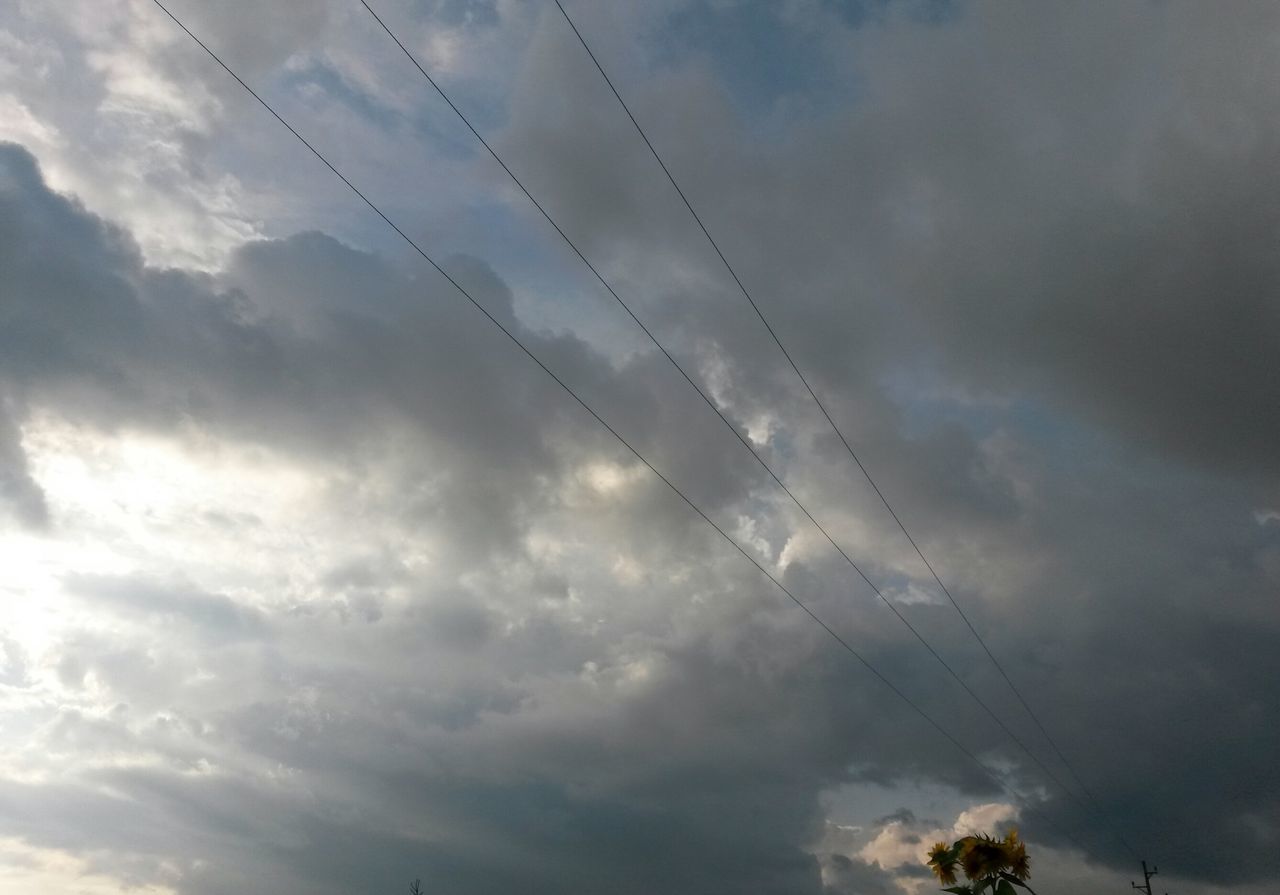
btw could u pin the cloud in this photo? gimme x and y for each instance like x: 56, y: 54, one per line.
x: 1132, y: 286
x: 315, y: 580
x: 171, y: 355
x: 213, y: 615
x: 20, y: 495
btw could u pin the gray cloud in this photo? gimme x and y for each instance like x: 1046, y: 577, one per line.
x: 213, y: 615
x: 1113, y: 255
x: 19, y: 493
x: 168, y: 350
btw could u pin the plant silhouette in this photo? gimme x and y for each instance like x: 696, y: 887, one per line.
x: 995, y: 865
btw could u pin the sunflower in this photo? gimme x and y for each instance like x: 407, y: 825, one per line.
x: 1015, y: 854
x: 1019, y: 863
x: 982, y: 856
x: 942, y: 858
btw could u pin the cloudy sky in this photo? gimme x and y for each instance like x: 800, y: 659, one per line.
x: 314, y: 583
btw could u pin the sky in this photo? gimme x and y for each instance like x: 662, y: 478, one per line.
x: 315, y: 583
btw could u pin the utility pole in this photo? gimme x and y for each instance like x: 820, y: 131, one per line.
x: 1146, y: 878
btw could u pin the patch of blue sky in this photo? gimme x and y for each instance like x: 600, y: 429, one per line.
x: 551, y: 290
x: 480, y: 98
x: 858, y: 13
x: 1061, y: 439
x: 431, y: 120
x: 314, y: 76
x: 455, y: 13
x: 758, y: 55
x: 547, y: 286
x: 768, y: 62
x: 926, y: 403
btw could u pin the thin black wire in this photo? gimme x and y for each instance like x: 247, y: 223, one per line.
x: 707, y: 400
x: 991, y: 775
x: 843, y: 440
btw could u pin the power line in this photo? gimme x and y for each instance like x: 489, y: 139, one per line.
x: 844, y: 644
x: 710, y: 403
x: 843, y: 440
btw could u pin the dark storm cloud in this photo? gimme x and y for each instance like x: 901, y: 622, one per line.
x: 849, y: 875
x: 1068, y: 219
x: 1079, y: 201
x: 1117, y: 252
